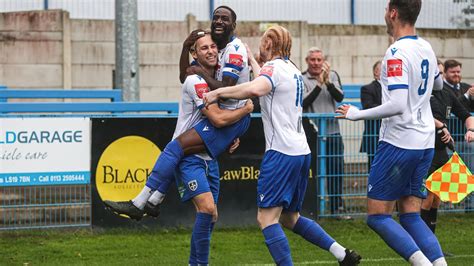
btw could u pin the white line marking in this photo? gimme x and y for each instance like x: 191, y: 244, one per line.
x: 363, y: 260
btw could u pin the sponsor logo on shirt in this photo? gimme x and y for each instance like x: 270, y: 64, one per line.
x: 394, y: 68
x: 266, y: 70
x: 200, y: 89
x: 236, y: 60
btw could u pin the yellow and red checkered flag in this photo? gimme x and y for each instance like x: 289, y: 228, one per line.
x: 452, y: 182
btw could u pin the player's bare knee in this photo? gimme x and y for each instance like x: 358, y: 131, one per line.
x: 409, y: 204
x: 207, y: 208
x: 288, y: 220
x: 264, y: 220
x: 205, y: 203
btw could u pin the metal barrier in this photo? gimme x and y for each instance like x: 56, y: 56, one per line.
x: 45, y: 207
x: 114, y: 95
x: 343, y: 169
x: 342, y: 172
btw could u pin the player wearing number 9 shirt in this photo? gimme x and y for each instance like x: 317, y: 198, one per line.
x: 407, y: 136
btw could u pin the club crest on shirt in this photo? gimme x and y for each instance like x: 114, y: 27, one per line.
x: 394, y: 68
x: 236, y: 60
x: 266, y: 70
x: 200, y: 89
x: 193, y: 185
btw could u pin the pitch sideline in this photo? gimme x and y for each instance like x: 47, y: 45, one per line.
x: 363, y: 260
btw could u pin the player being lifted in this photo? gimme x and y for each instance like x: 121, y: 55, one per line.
x: 407, y: 135
x: 205, y: 136
x: 285, y: 166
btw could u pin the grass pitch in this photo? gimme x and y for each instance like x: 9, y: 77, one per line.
x: 243, y: 246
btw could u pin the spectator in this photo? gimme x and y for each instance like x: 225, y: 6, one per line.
x: 452, y: 81
x: 443, y: 103
x: 465, y: 93
x: 371, y: 96
x: 322, y: 91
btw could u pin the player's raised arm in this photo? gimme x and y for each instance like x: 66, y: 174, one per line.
x: 256, y: 88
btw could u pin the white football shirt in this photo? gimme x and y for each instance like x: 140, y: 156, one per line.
x: 282, y: 109
x: 190, y: 107
x: 410, y: 64
x: 233, y: 62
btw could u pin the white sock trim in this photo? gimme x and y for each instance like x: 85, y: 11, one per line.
x: 440, y: 262
x: 337, y: 251
x: 140, y: 200
x: 156, y: 198
x: 419, y: 259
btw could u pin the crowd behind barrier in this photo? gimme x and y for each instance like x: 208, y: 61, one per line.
x: 69, y: 205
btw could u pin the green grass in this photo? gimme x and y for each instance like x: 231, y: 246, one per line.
x: 228, y: 246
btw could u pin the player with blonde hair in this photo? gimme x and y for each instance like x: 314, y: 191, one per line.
x: 285, y: 166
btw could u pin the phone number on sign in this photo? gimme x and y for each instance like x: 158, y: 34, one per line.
x: 66, y: 178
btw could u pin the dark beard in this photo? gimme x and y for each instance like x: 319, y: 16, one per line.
x: 221, y: 39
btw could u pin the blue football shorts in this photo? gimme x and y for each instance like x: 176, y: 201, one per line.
x: 398, y: 172
x: 195, y: 176
x: 283, y: 180
x: 218, y: 140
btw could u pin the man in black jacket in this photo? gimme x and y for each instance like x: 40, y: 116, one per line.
x: 443, y: 103
x: 371, y: 96
x: 452, y: 81
x: 465, y: 94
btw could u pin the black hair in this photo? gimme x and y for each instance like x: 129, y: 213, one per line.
x: 408, y: 10
x: 232, y: 12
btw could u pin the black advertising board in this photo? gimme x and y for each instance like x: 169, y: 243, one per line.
x: 124, y: 151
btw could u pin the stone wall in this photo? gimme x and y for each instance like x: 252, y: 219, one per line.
x: 46, y: 49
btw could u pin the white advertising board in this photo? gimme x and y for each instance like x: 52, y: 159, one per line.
x: 44, y: 151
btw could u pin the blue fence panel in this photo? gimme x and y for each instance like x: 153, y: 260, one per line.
x: 342, y: 186
x: 114, y: 95
x: 342, y: 190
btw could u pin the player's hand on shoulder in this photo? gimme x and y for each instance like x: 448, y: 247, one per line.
x: 210, y: 98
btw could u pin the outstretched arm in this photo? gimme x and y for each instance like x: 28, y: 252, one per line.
x: 256, y: 88
x: 395, y: 106
x: 211, y: 81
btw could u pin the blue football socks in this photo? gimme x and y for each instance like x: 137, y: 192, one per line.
x: 312, y: 232
x: 162, y: 174
x: 393, y: 234
x: 277, y: 244
x: 422, y: 235
x: 202, y: 237
x: 192, y: 254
